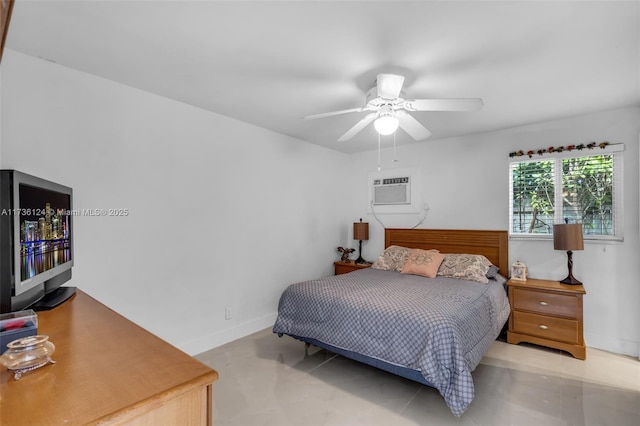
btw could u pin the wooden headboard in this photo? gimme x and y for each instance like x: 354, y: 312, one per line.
x: 494, y: 245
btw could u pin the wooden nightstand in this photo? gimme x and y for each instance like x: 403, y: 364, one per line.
x: 547, y: 313
x: 345, y: 268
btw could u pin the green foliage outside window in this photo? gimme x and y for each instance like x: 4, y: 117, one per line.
x: 579, y: 190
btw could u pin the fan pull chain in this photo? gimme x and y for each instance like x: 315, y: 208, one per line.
x: 379, y: 152
x: 395, y: 159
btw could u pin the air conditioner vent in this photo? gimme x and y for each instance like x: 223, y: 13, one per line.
x: 392, y: 191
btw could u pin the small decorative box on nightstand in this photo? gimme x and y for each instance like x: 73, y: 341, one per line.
x: 344, y: 267
x: 547, y: 313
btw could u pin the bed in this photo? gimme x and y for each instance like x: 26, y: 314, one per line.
x: 432, y: 329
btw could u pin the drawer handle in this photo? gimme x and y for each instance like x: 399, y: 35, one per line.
x: 544, y: 327
x: 543, y: 303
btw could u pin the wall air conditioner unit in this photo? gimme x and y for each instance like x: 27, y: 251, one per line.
x: 392, y: 191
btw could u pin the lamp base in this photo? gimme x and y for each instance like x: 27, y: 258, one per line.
x: 360, y: 260
x: 570, y: 280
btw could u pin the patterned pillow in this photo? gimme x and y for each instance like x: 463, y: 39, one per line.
x: 423, y: 262
x: 392, y: 259
x: 471, y: 267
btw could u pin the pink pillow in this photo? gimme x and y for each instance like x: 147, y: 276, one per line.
x: 423, y: 262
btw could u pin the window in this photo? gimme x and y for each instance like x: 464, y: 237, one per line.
x: 578, y: 187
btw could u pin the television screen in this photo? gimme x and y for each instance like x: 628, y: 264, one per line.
x: 45, y: 231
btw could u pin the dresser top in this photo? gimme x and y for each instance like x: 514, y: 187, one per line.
x: 534, y: 283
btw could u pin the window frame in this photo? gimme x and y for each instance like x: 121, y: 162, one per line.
x: 618, y: 185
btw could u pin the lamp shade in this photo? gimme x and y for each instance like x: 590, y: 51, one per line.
x: 361, y: 231
x: 568, y: 237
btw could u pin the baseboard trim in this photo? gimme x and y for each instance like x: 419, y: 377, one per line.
x: 618, y: 346
x: 214, y: 340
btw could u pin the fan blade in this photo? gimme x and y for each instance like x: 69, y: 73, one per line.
x: 329, y: 114
x: 389, y: 85
x: 462, y: 104
x: 368, y: 119
x: 412, y: 126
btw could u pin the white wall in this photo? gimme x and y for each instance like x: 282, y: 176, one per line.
x: 221, y: 213
x: 465, y: 184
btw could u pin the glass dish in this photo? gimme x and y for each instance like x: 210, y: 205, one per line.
x: 27, y: 354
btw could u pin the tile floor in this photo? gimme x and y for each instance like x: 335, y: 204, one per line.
x: 266, y: 380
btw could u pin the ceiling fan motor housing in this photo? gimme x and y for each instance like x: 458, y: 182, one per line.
x: 372, y: 98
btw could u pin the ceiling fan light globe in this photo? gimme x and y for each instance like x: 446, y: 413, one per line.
x: 386, y: 125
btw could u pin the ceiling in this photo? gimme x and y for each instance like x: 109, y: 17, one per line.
x: 270, y: 63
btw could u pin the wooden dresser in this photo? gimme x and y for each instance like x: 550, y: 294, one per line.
x: 345, y: 268
x: 108, y: 371
x: 547, y: 313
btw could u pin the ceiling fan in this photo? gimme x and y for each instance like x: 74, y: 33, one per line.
x: 388, y: 109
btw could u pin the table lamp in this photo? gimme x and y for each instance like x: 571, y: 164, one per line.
x: 568, y: 237
x: 361, y: 232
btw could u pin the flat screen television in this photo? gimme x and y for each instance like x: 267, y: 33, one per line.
x: 36, y: 242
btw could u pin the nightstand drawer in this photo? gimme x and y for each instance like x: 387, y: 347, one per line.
x: 561, y: 329
x: 545, y: 303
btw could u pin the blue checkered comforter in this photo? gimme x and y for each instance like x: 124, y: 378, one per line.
x: 439, y: 326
